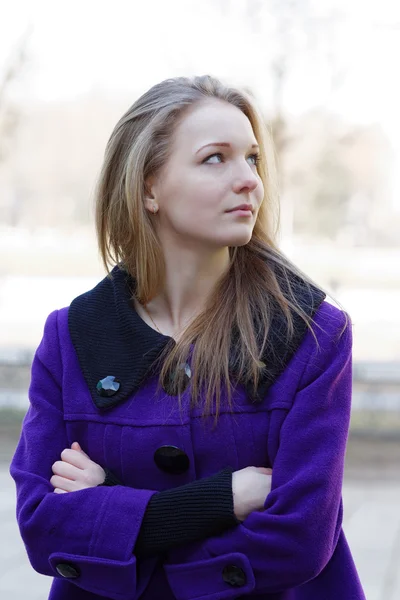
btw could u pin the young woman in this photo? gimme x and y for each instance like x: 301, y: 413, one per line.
x: 188, y: 416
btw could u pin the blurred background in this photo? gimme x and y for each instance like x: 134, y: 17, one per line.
x: 324, y: 74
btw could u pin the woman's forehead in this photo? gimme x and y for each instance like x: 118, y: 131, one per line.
x: 213, y: 122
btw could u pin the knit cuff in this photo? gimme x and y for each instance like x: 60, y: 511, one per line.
x: 190, y: 512
x: 110, y: 479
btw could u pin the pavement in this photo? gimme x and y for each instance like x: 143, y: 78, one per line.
x: 371, y: 524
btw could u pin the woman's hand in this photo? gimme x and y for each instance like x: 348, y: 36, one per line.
x: 75, y: 471
x: 250, y: 487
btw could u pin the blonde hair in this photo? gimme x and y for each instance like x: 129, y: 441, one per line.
x: 139, y: 147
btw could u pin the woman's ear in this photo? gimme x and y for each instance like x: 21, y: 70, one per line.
x: 148, y: 194
x: 150, y: 201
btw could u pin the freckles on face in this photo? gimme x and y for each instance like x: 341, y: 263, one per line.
x: 199, y: 184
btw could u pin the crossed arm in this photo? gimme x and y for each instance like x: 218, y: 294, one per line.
x: 213, y: 504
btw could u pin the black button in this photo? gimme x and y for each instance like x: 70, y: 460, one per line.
x: 172, y: 387
x: 108, y: 386
x: 233, y: 575
x: 171, y: 459
x: 68, y: 571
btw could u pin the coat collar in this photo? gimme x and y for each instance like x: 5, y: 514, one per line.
x: 111, y: 339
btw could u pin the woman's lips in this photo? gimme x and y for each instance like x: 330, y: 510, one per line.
x: 240, y: 212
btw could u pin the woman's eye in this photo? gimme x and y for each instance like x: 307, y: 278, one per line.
x: 218, y: 155
x: 255, y: 158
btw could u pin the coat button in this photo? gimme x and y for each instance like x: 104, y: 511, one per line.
x: 67, y: 570
x: 234, y: 576
x: 171, y: 459
x: 171, y: 387
x: 108, y: 386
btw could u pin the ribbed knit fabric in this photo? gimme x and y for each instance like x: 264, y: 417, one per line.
x: 190, y: 512
x: 184, y: 514
x: 126, y: 347
x: 110, y: 479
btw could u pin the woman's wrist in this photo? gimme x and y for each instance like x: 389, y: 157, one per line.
x: 110, y: 479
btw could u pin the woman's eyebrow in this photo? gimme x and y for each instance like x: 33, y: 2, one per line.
x: 224, y: 144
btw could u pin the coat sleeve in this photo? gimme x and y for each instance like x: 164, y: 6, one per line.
x: 86, y: 536
x: 293, y: 539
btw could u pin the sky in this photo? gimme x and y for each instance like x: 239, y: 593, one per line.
x: 125, y: 46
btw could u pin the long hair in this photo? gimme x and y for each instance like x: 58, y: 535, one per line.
x: 244, y: 298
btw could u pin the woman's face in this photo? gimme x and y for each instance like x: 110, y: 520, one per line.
x: 211, y: 170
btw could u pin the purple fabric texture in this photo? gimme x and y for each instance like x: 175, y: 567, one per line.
x: 294, y: 549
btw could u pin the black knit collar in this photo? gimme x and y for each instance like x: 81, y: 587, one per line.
x: 111, y: 339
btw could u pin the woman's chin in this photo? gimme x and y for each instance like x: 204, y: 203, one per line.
x: 238, y: 239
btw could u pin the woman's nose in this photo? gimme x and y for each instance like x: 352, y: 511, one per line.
x: 247, y: 182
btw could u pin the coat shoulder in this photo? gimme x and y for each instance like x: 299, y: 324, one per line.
x: 331, y: 323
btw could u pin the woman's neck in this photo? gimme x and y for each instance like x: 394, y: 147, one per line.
x: 190, y: 279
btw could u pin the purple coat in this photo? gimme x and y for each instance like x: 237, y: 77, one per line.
x: 293, y: 550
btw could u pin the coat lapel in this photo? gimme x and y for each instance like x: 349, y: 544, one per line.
x: 111, y: 339
x: 116, y: 348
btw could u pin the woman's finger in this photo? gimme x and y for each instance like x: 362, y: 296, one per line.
x: 66, y: 470
x: 76, y: 458
x: 264, y: 470
x: 59, y: 491
x: 64, y: 484
x: 76, y: 446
